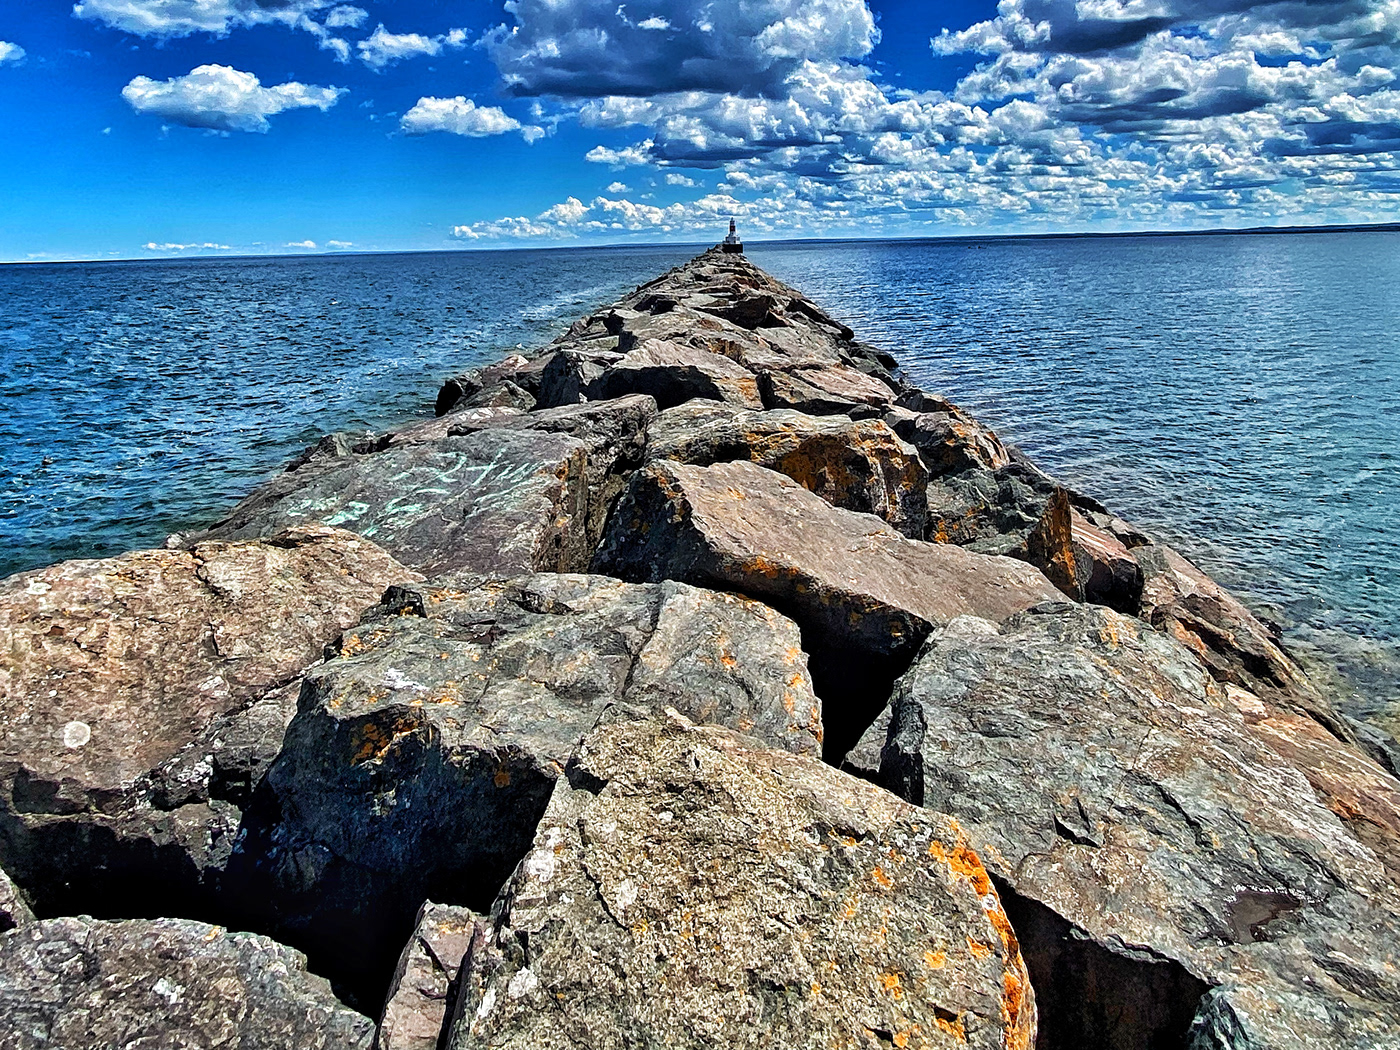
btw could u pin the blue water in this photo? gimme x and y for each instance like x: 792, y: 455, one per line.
x: 1238, y: 395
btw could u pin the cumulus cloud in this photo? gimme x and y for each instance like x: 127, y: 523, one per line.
x: 675, y: 178
x: 462, y: 116
x: 339, y: 246
x: 152, y: 246
x: 620, y: 158
x: 590, y: 48
x: 619, y: 187
x: 10, y: 52
x: 382, y: 48
x: 223, y: 99
x: 168, y: 19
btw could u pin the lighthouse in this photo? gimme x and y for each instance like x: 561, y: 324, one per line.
x: 732, y: 244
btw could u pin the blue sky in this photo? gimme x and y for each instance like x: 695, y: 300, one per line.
x: 142, y: 128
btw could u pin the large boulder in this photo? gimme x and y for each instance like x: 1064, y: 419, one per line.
x: 825, y: 391
x: 426, y: 978
x: 1148, y: 839
x: 859, y: 465
x: 423, y: 755
x: 142, y: 696
x: 504, y: 501
x: 82, y: 984
x: 949, y: 440
x: 864, y: 595
x: 673, y: 373
x: 689, y: 889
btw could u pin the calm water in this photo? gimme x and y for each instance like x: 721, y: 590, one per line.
x: 1240, y: 395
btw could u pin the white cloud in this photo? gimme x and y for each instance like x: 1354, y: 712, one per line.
x: 300, y: 244
x: 152, y: 246
x: 462, y: 116
x: 618, y: 187
x: 219, y: 98
x: 10, y: 52
x: 382, y: 48
x: 675, y: 178
x: 620, y: 158
x: 339, y: 246
x: 589, y: 48
x: 345, y: 17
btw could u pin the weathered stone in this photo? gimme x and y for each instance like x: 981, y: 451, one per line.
x: 421, y: 758
x: 825, y: 391
x: 460, y: 421
x: 523, y: 372
x: 687, y: 889
x: 135, y: 706
x: 571, y: 373
x: 14, y: 908
x: 951, y: 441
x: 864, y: 595
x: 672, y: 374
x: 420, y: 992
x: 1149, y: 840
x: 859, y: 465
x: 504, y: 394
x: 1235, y: 646
x: 81, y: 984
x: 499, y: 501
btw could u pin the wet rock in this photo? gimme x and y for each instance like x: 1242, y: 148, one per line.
x: 499, y: 501
x: 672, y: 374
x: 864, y: 595
x: 141, y: 695
x: 859, y: 465
x: 1148, y: 839
x: 820, y: 912
x: 14, y: 908
x: 82, y: 984
x: 825, y: 391
x: 420, y: 992
x: 422, y: 757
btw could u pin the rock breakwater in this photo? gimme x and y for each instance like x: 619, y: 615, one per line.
x: 693, y: 680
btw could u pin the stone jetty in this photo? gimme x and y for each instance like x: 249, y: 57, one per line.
x: 691, y: 681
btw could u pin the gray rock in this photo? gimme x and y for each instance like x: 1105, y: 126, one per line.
x: 501, y: 501
x: 81, y: 984
x: 523, y: 372
x: 950, y: 441
x: 421, y: 990
x: 825, y: 391
x: 143, y: 695
x: 673, y: 373
x: 571, y: 373
x: 504, y: 394
x: 1148, y: 837
x: 864, y: 595
x: 422, y: 757
x: 859, y: 465
x: 687, y: 889
x: 14, y: 909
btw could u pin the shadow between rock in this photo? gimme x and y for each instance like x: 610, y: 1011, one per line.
x: 1091, y: 998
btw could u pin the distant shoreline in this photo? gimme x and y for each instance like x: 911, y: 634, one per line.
x: 1375, y: 227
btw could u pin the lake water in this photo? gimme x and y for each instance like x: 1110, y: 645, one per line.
x: 1238, y: 395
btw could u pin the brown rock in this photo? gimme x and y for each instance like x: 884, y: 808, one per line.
x: 115, y: 668
x: 673, y: 373
x: 825, y: 391
x: 859, y: 465
x: 690, y: 890
x: 419, y: 994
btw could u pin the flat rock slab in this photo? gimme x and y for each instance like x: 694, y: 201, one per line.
x: 113, y: 668
x: 419, y: 994
x: 673, y: 373
x: 825, y: 391
x: 81, y: 984
x: 690, y: 889
x: 1126, y: 801
x: 506, y: 501
x: 949, y: 441
x: 423, y: 756
x: 848, y: 578
x: 860, y: 465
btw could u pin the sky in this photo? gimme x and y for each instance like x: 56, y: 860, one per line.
x: 154, y: 128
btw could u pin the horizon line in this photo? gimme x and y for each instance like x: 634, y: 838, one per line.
x: 1375, y: 227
